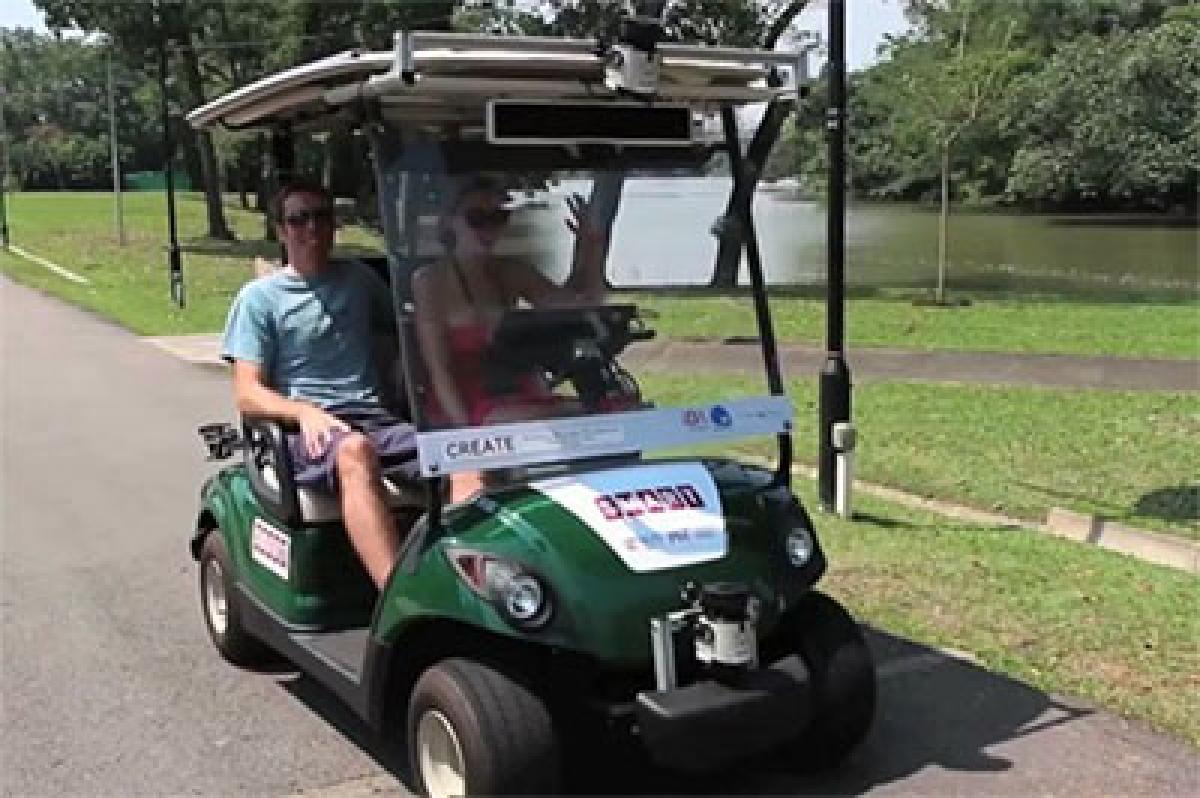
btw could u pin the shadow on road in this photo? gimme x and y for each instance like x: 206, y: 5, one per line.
x: 934, y: 710
x: 388, y: 752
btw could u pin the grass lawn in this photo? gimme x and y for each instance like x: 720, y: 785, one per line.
x: 129, y: 284
x: 1159, y: 330
x: 1128, y: 456
x: 1065, y: 618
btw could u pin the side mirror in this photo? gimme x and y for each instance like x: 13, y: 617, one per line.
x: 222, y: 440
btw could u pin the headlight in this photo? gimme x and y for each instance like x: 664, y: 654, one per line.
x: 518, y: 594
x: 523, y: 598
x: 799, y: 546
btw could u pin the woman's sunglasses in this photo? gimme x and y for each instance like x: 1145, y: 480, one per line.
x: 480, y: 219
x: 302, y: 218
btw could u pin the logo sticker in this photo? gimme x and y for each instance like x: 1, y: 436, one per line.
x: 479, y: 448
x: 652, y: 517
x: 721, y: 416
x: 271, y: 548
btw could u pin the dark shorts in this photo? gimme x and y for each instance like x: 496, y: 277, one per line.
x: 394, y: 440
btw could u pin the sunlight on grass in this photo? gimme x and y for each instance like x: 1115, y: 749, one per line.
x: 1128, y: 456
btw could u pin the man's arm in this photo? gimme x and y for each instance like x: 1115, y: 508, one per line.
x: 256, y: 400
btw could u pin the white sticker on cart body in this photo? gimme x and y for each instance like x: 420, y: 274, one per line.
x: 653, y: 517
x: 271, y: 548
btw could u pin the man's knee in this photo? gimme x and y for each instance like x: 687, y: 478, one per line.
x: 356, y: 453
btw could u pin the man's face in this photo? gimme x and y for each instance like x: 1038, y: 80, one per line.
x: 306, y: 229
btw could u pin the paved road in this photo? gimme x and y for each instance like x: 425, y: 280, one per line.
x: 110, y: 688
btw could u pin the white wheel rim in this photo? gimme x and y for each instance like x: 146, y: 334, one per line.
x: 215, y: 605
x: 440, y: 756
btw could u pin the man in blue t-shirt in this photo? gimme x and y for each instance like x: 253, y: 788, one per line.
x: 300, y: 343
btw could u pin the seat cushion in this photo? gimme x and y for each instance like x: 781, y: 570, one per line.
x: 320, y: 506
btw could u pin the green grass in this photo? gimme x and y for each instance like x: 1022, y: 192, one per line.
x: 998, y: 325
x: 129, y: 284
x: 1065, y: 618
x: 1127, y: 456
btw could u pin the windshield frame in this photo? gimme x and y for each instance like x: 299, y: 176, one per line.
x: 406, y: 157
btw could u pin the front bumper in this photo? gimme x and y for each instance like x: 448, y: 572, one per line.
x: 709, y: 724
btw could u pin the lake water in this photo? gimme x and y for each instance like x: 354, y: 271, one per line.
x: 662, y: 239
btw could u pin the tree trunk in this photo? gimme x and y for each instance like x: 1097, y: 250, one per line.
x: 209, y: 165
x: 266, y: 187
x: 781, y: 23
x: 940, y: 295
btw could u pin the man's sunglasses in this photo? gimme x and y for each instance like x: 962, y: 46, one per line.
x: 479, y: 219
x: 302, y: 218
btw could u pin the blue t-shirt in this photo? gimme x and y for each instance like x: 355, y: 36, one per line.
x: 313, y: 336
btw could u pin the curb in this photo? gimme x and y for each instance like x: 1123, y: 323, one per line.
x: 1150, y: 546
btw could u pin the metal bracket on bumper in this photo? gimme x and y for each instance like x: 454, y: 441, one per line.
x: 709, y: 724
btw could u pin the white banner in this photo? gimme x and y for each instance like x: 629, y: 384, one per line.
x: 504, y: 445
x: 653, y: 517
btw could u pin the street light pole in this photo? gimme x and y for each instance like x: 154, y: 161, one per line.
x: 835, y: 374
x: 3, y: 172
x: 174, y: 264
x: 116, y: 158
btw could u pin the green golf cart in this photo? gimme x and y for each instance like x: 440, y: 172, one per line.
x: 617, y: 578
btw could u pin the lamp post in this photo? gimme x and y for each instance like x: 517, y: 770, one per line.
x: 174, y: 264
x: 835, y: 373
x: 3, y: 172
x: 119, y: 209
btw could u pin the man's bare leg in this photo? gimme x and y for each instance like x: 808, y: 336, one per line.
x: 464, y: 485
x: 368, y: 520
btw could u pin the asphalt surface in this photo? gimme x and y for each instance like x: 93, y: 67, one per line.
x: 110, y: 686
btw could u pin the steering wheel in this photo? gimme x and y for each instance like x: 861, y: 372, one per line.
x: 578, y: 345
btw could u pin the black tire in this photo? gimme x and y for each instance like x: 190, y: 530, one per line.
x: 226, y: 629
x: 505, y: 738
x: 843, y: 684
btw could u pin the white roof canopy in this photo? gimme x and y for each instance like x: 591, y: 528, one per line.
x: 447, y: 77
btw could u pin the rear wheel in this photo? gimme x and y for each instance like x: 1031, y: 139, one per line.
x: 222, y: 613
x: 842, y: 674
x: 472, y: 730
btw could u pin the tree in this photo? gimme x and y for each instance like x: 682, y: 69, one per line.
x: 937, y: 93
x: 1113, y: 120
x: 56, y: 111
x: 180, y: 25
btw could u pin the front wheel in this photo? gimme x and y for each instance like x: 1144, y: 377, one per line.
x: 472, y: 730
x: 843, y: 683
x: 222, y: 613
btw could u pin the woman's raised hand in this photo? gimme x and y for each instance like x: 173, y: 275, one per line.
x: 579, y: 222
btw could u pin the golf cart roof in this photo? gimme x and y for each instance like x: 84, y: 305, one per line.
x: 447, y: 78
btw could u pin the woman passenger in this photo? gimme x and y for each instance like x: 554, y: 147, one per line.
x: 460, y: 300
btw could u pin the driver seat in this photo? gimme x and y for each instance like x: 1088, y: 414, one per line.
x: 271, y: 473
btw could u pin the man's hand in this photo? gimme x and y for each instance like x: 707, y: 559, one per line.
x: 316, y: 427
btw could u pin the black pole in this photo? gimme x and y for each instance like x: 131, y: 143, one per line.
x: 3, y: 214
x: 4, y: 239
x: 174, y: 264
x: 283, y: 171
x: 835, y: 374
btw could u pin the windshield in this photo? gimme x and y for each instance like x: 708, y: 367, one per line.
x: 512, y: 326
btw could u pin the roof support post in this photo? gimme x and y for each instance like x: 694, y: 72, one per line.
x: 745, y: 171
